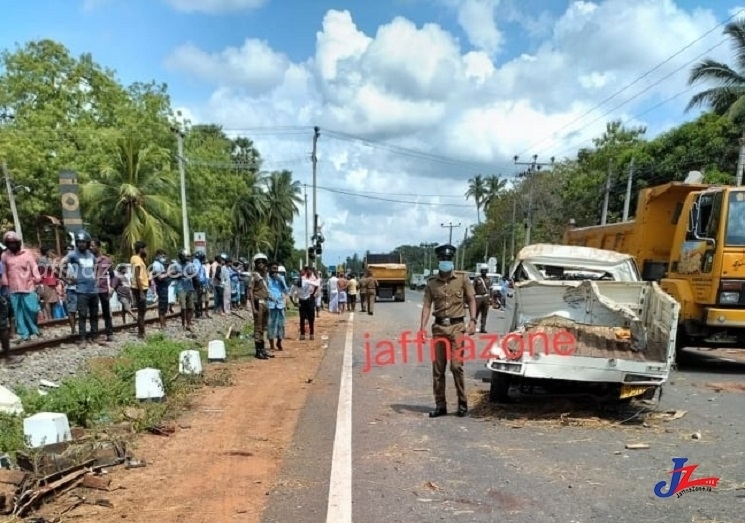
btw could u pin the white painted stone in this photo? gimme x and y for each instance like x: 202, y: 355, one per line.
x: 216, y: 351
x: 190, y: 362
x: 149, y: 384
x: 9, y: 402
x: 46, y: 428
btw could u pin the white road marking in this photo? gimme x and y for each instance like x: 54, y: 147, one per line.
x: 340, y: 485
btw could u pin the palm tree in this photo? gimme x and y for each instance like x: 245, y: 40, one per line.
x: 136, y: 194
x: 249, y: 211
x: 727, y: 98
x: 477, y: 190
x: 282, y: 202
x: 494, y: 188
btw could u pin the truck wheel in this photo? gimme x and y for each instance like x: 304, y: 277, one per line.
x: 499, y: 388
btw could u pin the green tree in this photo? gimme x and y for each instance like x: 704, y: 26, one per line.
x: 477, y: 189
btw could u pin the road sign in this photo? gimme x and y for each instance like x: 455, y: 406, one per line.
x: 200, y: 242
x: 492, y: 263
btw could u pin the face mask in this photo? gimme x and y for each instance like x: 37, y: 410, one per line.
x: 446, y: 266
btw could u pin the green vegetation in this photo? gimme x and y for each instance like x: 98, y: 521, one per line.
x: 105, y: 392
x: 60, y: 112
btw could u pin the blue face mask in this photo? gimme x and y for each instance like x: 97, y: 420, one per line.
x: 446, y: 266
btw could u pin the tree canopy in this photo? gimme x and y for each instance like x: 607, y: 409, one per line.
x: 61, y: 112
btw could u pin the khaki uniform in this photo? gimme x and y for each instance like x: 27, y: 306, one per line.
x: 481, y: 288
x: 372, y: 291
x: 363, y: 293
x: 260, y: 309
x: 448, y: 301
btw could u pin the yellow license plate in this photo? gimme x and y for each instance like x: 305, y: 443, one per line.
x: 628, y: 391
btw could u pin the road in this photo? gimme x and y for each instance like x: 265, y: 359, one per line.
x: 377, y: 456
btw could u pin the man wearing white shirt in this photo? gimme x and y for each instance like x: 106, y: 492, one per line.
x: 333, y: 294
x: 305, y: 290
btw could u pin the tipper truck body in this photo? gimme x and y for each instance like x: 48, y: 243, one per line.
x: 689, y: 237
x: 390, y: 271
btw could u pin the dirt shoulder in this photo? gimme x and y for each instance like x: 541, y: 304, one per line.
x: 223, y: 458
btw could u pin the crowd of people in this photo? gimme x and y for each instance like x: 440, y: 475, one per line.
x: 85, y: 284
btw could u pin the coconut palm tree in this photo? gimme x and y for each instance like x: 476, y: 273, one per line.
x: 135, y: 195
x: 494, y: 188
x: 477, y: 189
x: 728, y: 97
x: 249, y: 211
x: 282, y: 203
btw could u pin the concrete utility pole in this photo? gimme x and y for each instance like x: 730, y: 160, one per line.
x: 533, y: 167
x: 741, y: 160
x: 182, y: 174
x: 604, y: 217
x: 629, y: 184
x: 307, y: 246
x: 12, y: 200
x: 514, y: 218
x: 314, y: 159
x: 451, y: 227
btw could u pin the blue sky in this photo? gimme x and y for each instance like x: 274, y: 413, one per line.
x: 578, y: 58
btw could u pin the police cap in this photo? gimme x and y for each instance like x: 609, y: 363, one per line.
x: 445, y: 251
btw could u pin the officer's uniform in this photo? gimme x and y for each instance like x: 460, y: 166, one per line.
x: 260, y: 309
x: 447, y: 299
x: 481, y: 288
x: 363, y: 293
x: 372, y: 292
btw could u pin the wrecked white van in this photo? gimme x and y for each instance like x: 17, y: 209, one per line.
x: 582, y: 320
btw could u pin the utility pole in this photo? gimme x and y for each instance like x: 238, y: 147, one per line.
x: 604, y: 217
x: 629, y: 184
x: 533, y: 167
x: 504, y: 253
x: 12, y: 200
x: 182, y: 174
x: 314, y: 159
x: 463, y: 250
x: 451, y: 227
x: 307, y: 253
x: 741, y: 160
x: 514, y: 218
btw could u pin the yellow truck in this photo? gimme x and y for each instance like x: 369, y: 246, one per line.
x: 689, y: 237
x: 390, y: 271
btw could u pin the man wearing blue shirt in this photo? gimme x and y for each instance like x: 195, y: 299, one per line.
x: 82, y: 271
x: 276, y: 305
x: 185, y: 275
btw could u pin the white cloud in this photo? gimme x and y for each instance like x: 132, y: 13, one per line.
x: 478, y: 20
x: 215, y: 6
x: 418, y: 87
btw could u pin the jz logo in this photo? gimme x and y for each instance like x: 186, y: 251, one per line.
x: 681, y: 482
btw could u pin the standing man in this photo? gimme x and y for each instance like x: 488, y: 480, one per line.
x: 104, y: 273
x: 258, y: 293
x: 372, y: 291
x: 186, y: 274
x: 198, y: 292
x: 352, y: 292
x: 162, y: 285
x: 21, y: 276
x: 446, y: 293
x: 140, y: 284
x: 363, y: 293
x: 276, y: 305
x: 82, y: 263
x: 481, y: 287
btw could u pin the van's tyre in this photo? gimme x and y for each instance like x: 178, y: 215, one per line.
x: 499, y: 388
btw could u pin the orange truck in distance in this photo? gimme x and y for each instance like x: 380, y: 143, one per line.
x: 390, y: 271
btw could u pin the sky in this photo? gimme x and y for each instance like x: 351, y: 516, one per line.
x: 412, y: 97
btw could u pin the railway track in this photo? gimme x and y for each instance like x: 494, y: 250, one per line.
x: 45, y: 343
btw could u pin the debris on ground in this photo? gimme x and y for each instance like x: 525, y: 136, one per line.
x: 726, y: 387
x: 47, y: 473
x: 636, y: 446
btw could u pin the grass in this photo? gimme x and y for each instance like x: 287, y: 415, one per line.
x: 103, y: 392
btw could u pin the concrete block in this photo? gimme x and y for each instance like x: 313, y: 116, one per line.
x: 149, y: 384
x: 46, y: 428
x: 190, y: 362
x: 216, y: 351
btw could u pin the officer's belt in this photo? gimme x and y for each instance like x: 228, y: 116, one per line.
x: 482, y: 295
x: 448, y: 321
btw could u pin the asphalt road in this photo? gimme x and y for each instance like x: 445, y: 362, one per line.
x: 519, y: 463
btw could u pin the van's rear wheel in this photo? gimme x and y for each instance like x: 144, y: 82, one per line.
x: 499, y: 388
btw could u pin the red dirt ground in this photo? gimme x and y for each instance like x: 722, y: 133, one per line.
x: 221, y: 462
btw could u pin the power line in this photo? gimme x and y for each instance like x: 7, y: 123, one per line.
x: 646, y: 89
x: 393, y: 200
x: 637, y: 80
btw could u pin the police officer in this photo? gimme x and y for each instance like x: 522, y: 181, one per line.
x: 371, y: 283
x: 481, y: 288
x: 447, y: 294
x: 258, y: 291
x: 363, y: 293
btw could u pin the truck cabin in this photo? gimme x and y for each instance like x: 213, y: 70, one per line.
x: 572, y: 263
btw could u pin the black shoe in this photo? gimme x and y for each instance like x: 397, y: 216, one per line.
x: 482, y: 331
x: 462, y: 410
x: 439, y: 411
